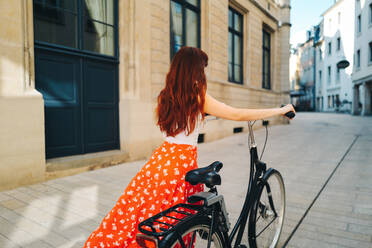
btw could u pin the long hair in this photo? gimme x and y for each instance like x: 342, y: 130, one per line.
x: 183, y: 97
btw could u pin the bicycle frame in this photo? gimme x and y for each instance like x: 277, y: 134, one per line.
x: 257, y: 169
x: 214, y: 206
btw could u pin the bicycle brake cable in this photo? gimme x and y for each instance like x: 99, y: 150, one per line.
x: 263, y: 149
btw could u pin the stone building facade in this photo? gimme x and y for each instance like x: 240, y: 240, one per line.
x: 362, y: 69
x: 67, y: 106
x: 336, y: 44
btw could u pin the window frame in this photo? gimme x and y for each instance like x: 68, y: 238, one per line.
x: 359, y: 23
x: 329, y: 74
x: 241, y: 35
x: 330, y: 48
x: 266, y: 85
x: 358, y: 59
x: 80, y: 16
x: 184, y: 5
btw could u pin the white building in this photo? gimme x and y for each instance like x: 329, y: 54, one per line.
x: 319, y: 46
x: 362, y: 73
x: 333, y: 85
x: 302, y: 74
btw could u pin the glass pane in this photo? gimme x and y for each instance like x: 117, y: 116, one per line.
x: 193, y: 2
x: 98, y: 37
x: 266, y: 80
x: 237, y: 22
x: 59, y: 4
x: 55, y: 26
x: 176, y: 26
x: 237, y: 75
x: 231, y: 47
x: 267, y: 60
x: 230, y: 71
x: 266, y: 40
x: 100, y: 10
x: 230, y: 18
x: 266, y: 67
x: 237, y: 50
x: 191, y: 28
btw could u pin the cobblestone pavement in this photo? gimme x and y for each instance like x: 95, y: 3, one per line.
x: 63, y: 212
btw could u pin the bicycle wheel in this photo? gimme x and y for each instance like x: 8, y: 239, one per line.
x: 195, y: 235
x: 267, y: 215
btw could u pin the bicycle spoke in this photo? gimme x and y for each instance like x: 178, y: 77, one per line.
x: 266, y: 227
x: 192, y: 239
x: 269, y: 213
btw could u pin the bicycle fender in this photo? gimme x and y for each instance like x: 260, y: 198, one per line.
x: 263, y: 180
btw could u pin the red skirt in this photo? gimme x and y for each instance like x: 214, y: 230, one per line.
x: 159, y: 185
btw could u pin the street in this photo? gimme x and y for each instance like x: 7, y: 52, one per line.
x: 324, y: 158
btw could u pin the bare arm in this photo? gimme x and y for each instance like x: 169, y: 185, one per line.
x: 219, y: 109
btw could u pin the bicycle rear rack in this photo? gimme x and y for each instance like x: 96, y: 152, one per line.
x: 167, y: 221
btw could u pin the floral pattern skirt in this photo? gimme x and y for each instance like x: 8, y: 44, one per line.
x: 159, y: 185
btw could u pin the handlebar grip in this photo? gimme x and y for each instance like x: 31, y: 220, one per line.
x: 289, y: 114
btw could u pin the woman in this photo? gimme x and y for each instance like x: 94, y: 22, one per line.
x: 160, y: 184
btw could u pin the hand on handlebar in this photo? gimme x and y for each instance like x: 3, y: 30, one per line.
x: 288, y: 111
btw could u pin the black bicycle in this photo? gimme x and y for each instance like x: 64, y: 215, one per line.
x: 204, y: 221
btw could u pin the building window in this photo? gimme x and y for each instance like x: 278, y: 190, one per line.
x: 359, y: 23
x: 320, y: 54
x: 235, y: 46
x: 329, y: 75
x: 338, y: 43
x: 329, y: 101
x: 266, y: 70
x: 358, y: 59
x: 337, y: 74
x: 333, y: 101
x: 184, y: 24
x: 330, y: 48
x: 370, y: 13
x: 79, y: 25
x: 320, y: 79
x: 370, y: 52
x: 337, y: 101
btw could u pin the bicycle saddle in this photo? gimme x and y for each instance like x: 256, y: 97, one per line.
x: 207, y: 175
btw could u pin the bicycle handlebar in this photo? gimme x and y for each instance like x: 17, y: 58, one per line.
x: 289, y: 114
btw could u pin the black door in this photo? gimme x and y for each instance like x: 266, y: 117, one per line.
x: 76, y: 70
x: 100, y: 106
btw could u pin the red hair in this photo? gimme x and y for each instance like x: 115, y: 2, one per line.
x: 183, y: 96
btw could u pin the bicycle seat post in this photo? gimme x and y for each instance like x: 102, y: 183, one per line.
x: 252, y: 140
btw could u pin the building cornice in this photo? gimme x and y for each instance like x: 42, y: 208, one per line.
x: 285, y: 24
x: 362, y: 80
x: 284, y: 6
x: 330, y: 8
x: 267, y: 13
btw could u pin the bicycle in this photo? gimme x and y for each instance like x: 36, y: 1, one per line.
x: 207, y: 224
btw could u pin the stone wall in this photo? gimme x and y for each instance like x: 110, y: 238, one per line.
x: 22, y: 155
x: 144, y: 56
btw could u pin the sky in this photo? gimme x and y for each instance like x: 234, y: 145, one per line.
x: 304, y: 15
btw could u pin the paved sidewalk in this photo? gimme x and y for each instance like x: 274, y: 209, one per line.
x: 63, y: 212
